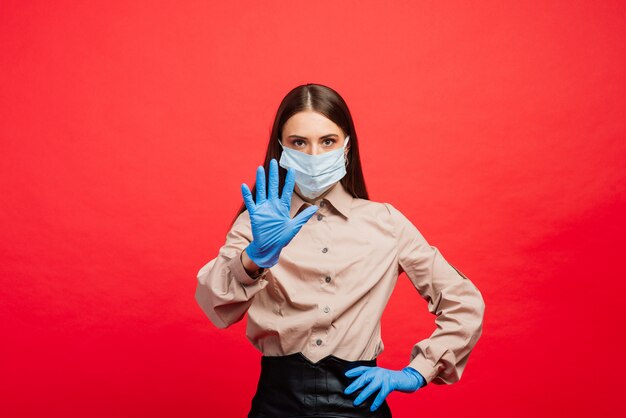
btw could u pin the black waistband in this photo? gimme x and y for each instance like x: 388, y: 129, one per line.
x: 294, y: 386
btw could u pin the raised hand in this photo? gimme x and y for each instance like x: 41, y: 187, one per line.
x: 384, y: 381
x: 272, y: 226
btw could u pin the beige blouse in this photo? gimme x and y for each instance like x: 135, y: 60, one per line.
x: 328, y: 291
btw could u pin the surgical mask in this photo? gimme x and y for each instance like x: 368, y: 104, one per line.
x: 315, y: 173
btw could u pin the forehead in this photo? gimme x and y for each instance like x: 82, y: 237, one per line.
x: 310, y: 123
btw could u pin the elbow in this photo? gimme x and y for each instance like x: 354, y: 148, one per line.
x: 225, y: 319
x: 223, y: 306
x: 481, y: 307
x: 219, y: 321
x: 204, y: 300
x: 480, y: 318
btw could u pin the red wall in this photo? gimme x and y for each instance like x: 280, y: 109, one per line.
x: 127, y: 128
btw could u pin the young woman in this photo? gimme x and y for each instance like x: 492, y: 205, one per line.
x: 314, y: 263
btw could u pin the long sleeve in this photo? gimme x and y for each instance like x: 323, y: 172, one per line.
x: 457, y: 303
x: 225, y: 291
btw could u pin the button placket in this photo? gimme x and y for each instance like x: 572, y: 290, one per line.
x: 321, y: 329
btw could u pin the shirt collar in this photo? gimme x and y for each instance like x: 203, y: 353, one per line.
x: 337, y: 196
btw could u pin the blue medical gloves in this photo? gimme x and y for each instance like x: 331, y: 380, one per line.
x: 272, y: 226
x: 405, y: 380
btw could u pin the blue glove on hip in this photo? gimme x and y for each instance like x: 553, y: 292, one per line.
x: 272, y: 226
x: 405, y: 380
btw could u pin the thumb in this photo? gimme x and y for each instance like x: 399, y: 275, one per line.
x: 303, y: 217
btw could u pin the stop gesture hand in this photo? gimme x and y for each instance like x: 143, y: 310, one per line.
x: 272, y: 226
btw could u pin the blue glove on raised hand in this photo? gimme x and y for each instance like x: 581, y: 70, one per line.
x: 405, y: 380
x: 272, y: 226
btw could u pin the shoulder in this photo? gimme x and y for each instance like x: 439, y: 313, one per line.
x: 384, y: 213
x: 401, y: 223
x: 372, y: 206
x: 241, y: 219
x: 242, y: 225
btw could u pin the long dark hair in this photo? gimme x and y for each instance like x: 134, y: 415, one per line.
x: 328, y: 102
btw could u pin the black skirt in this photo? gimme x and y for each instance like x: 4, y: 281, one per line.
x: 292, y: 386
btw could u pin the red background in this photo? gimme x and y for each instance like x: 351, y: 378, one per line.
x: 127, y: 128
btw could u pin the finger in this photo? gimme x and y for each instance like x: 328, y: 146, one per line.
x: 260, y: 185
x: 367, y: 392
x: 273, y: 181
x: 353, y: 387
x: 356, y: 370
x: 247, y: 198
x: 361, y: 381
x: 380, y: 398
x: 290, y: 180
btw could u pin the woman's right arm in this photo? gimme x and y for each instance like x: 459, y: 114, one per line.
x: 225, y: 289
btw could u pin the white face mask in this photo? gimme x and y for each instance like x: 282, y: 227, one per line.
x: 315, y: 173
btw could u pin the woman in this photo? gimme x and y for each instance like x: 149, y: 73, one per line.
x: 313, y: 264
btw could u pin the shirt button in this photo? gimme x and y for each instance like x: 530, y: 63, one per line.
x: 319, y: 217
x: 326, y: 309
x: 318, y: 342
x: 324, y: 250
x: 327, y: 279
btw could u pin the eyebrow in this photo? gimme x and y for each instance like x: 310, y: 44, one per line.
x: 321, y: 137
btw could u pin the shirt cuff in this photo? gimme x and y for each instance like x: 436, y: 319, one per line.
x: 424, y: 367
x: 241, y: 275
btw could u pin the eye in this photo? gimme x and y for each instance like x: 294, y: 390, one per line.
x: 296, y: 141
x: 332, y: 141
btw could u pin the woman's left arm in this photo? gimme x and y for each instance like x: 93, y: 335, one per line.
x: 451, y: 296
